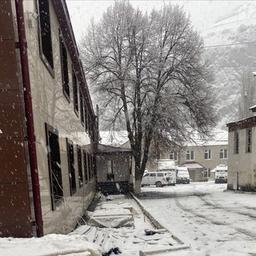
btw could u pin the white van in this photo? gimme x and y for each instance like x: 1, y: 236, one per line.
x: 221, y: 174
x: 182, y: 175
x: 159, y: 178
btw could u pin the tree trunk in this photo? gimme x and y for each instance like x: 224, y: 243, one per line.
x: 137, y: 186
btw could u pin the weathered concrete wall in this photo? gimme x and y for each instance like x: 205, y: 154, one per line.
x: 242, y: 166
x: 51, y: 106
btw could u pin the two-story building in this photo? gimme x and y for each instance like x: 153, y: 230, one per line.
x: 48, y: 128
x: 206, y: 154
x: 242, y: 148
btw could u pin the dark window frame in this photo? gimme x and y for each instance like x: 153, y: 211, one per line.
x: 58, y: 176
x: 223, y: 153
x: 236, y: 142
x: 248, y: 140
x: 86, y: 178
x: 191, y: 155
x: 207, y: 154
x: 71, y: 166
x: 64, y: 67
x: 81, y: 99
x: 75, y: 93
x: 174, y: 155
x: 49, y: 63
x: 80, y: 166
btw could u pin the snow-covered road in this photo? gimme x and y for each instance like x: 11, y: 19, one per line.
x: 212, y: 221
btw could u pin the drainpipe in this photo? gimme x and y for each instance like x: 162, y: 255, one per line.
x: 29, y: 116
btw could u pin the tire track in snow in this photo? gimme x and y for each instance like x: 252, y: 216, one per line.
x: 229, y: 209
x: 240, y: 230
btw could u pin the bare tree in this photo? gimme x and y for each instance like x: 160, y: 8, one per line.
x: 148, y: 69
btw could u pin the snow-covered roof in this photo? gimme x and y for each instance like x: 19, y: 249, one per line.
x: 118, y: 138
x: 114, y: 138
x: 111, y: 149
x: 217, y: 137
x: 193, y: 165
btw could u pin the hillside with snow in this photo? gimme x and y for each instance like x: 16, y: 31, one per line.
x: 231, y: 48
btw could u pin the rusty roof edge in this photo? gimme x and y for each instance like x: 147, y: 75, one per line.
x: 249, y: 120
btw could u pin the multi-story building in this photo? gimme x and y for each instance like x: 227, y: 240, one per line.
x: 46, y: 119
x: 242, y: 148
x: 208, y: 153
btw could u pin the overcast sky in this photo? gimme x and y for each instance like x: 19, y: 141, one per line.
x: 203, y: 13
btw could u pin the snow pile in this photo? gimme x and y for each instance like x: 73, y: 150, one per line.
x: 111, y: 218
x: 49, y: 245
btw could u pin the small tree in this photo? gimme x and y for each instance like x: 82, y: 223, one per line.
x: 148, y: 70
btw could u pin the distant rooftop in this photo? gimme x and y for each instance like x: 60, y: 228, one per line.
x: 114, y: 138
x: 217, y: 137
x: 118, y: 138
x: 105, y: 149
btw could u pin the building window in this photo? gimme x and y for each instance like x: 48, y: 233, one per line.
x: 110, y: 173
x: 85, y: 166
x: 64, y: 68
x: 80, y: 168
x: 207, y: 154
x: 223, y: 153
x: 55, y: 176
x: 190, y: 155
x: 174, y: 156
x: 75, y: 92
x: 45, y: 38
x: 71, y: 167
x: 249, y: 140
x: 90, y: 166
x: 236, y: 142
x: 86, y: 117
x: 81, y: 108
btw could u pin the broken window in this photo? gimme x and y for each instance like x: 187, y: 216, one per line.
x: 45, y: 38
x: 75, y: 92
x: 55, y: 176
x: 249, y: 140
x: 85, y: 166
x: 207, y: 154
x: 236, y: 142
x: 86, y: 117
x: 81, y: 108
x: 71, y: 167
x: 80, y: 168
x: 64, y: 68
x: 110, y: 173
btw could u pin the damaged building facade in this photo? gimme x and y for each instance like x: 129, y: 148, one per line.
x: 48, y: 128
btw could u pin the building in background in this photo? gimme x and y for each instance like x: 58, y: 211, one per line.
x: 48, y: 129
x: 242, y: 149
x: 114, y: 169
x: 207, y: 153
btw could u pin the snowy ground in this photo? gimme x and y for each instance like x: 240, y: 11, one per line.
x: 117, y: 222
x: 212, y: 221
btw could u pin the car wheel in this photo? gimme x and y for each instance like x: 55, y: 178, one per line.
x: 159, y: 184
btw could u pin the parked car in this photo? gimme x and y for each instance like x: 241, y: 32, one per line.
x: 182, y: 175
x: 221, y: 174
x: 159, y: 178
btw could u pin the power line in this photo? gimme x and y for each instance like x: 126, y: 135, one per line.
x: 231, y: 44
